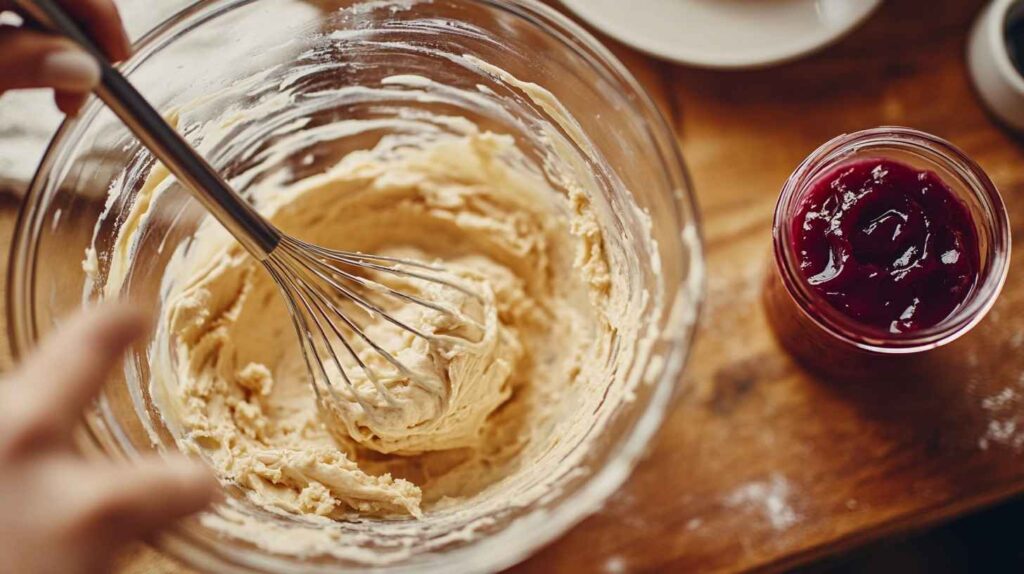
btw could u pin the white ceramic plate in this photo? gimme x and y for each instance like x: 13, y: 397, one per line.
x: 724, y: 33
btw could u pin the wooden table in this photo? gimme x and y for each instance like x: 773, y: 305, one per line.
x: 762, y: 467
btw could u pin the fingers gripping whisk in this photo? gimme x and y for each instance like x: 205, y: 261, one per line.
x: 342, y: 302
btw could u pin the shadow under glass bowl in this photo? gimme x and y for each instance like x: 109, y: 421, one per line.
x: 246, y: 50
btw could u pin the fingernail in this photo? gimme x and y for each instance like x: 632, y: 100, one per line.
x: 71, y: 70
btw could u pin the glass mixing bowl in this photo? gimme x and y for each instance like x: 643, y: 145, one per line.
x: 326, y: 63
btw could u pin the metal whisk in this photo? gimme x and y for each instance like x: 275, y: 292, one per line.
x: 325, y: 289
x: 324, y: 294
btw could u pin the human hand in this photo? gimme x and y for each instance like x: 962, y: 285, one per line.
x: 33, y: 59
x: 62, y: 513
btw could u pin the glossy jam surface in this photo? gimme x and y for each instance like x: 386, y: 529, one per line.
x: 886, y: 244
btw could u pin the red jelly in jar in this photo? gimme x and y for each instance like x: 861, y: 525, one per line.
x: 886, y: 244
x: 887, y: 241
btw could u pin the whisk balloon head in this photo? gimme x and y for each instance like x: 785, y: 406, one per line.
x: 347, y: 306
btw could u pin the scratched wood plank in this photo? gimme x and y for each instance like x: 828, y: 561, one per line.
x: 760, y: 466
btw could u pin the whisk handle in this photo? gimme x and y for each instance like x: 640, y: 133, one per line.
x: 254, y: 232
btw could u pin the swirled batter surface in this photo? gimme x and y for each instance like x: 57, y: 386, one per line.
x: 238, y: 390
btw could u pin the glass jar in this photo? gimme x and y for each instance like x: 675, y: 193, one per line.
x: 826, y: 340
x: 245, y: 51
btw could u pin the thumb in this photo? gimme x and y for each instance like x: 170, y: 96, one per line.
x: 132, y: 502
x: 58, y: 380
x: 30, y: 59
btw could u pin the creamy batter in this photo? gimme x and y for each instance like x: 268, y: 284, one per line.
x: 241, y: 393
x: 523, y: 375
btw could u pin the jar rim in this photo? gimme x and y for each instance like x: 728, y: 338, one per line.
x: 996, y: 260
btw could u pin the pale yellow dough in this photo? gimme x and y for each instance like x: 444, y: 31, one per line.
x: 236, y: 390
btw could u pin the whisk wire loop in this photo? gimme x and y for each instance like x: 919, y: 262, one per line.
x: 317, y: 283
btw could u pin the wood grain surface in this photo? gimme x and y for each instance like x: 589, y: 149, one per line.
x: 761, y: 466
